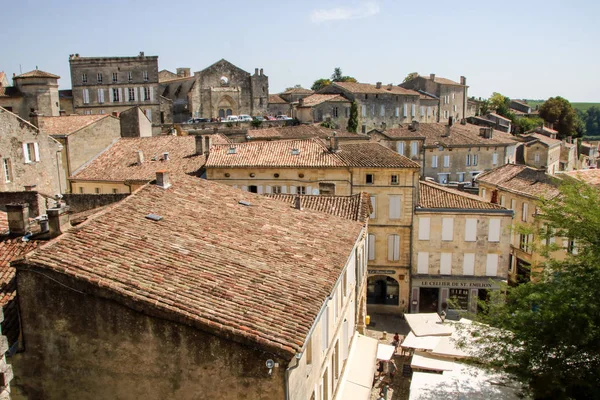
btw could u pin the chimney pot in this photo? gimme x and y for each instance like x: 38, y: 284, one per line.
x: 378, y: 85
x: 432, y: 77
x: 199, y: 144
x: 162, y: 179
x: 461, y: 186
x: 255, y: 71
x: 334, y: 143
x: 62, y: 113
x: 463, y: 81
x: 58, y: 220
x: 115, y: 114
x: 18, y: 218
x: 166, y: 156
x: 140, y: 157
x: 261, y: 72
x: 297, y: 203
x: 207, y: 144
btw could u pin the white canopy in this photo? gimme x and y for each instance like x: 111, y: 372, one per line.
x: 427, y: 361
x: 424, y: 342
x: 355, y: 383
x: 427, y: 324
x: 385, y: 351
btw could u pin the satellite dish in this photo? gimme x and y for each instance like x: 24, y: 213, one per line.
x: 270, y: 364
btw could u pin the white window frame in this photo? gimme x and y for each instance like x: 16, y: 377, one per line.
x: 100, y: 96
x: 446, y: 161
x: 434, y: 161
x: 6, y: 166
x: 423, y: 262
x: 494, y: 230
x: 394, y: 247
x: 524, y: 211
x: 424, y: 228
x: 414, y: 148
x: 145, y: 75
x: 99, y: 77
x: 446, y: 264
x: 400, y: 148
x: 447, y: 229
x: 31, y: 152
x: 86, y: 96
x: 395, y: 206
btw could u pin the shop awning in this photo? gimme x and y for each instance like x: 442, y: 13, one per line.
x: 357, y: 380
x: 424, y: 342
x: 427, y: 324
x: 428, y: 362
x: 385, y: 351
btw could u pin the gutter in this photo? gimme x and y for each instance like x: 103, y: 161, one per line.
x: 464, y: 211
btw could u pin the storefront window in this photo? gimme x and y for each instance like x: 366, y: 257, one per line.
x: 383, y: 290
x: 458, y: 299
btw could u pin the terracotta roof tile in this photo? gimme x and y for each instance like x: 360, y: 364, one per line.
x: 276, y: 99
x: 37, y: 73
x: 301, y: 132
x: 308, y: 153
x: 69, y: 124
x: 118, y: 163
x: 355, y: 207
x: 590, y: 176
x: 531, y: 137
x: 520, y: 179
x: 315, y: 99
x: 356, y: 87
x: 443, y: 81
x: 298, y: 91
x: 256, y: 274
x: 460, y: 135
x: 432, y: 195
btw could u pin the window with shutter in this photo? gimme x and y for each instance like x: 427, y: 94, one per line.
x: 468, y: 162
x: 446, y: 161
x: 26, y: 154
x: 414, y: 149
x: 395, y: 201
x: 397, y: 111
x: 495, y: 159
x: 393, y: 247
x: 371, y: 246
x: 446, y: 264
x: 412, y: 110
x: 374, y: 207
x: 494, y: 230
x: 424, y: 225
x: 36, y: 151
x: 382, y: 111
x: 434, y: 161
x: 491, y: 266
x: 475, y: 159
x: 405, y: 110
x: 469, y: 264
x: 524, y: 212
x: 513, y: 205
x: 400, y: 148
x: 423, y: 262
x: 471, y: 230
x: 447, y: 229
x: 364, y: 110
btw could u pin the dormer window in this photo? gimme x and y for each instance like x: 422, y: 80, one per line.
x: 295, y: 152
x: 231, y: 150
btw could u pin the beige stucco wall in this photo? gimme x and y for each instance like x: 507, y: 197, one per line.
x: 549, y: 158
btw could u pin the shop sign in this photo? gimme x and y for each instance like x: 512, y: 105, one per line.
x: 455, y: 284
x: 381, y: 272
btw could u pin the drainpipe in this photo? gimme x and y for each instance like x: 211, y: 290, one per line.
x: 416, y: 189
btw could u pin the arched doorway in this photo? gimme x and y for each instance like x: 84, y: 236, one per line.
x: 383, y: 290
x: 226, y: 106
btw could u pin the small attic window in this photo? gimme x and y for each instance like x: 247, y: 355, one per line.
x: 295, y: 152
x: 232, y: 150
x: 154, y: 217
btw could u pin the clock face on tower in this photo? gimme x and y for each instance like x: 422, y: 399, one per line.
x: 224, y: 80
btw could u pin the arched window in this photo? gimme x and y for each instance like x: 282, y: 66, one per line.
x: 383, y: 290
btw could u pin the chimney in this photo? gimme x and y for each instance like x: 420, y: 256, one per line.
x: 461, y: 186
x: 199, y: 145
x: 115, y: 114
x: 297, y: 203
x: 58, y: 220
x: 18, y: 218
x: 207, y: 144
x: 140, y: 157
x: 447, y: 131
x: 334, y: 143
x: 432, y: 77
x: 261, y: 72
x: 62, y: 113
x: 255, y: 71
x: 162, y: 179
x: 414, y: 126
x: 183, y: 72
x: 463, y: 81
x: 570, y: 139
x: 166, y: 156
x: 141, y: 54
x: 378, y: 85
x: 34, y: 118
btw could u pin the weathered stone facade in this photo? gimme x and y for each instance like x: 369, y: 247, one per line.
x: 34, y: 91
x: 102, y: 85
x: 29, y: 158
x: 134, y: 123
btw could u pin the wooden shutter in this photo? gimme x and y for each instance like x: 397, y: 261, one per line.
x: 151, y: 93
x: 447, y: 229
x: 26, y: 153
x: 471, y: 230
x: 36, y: 150
x: 292, y: 189
x: 412, y: 110
x: 373, y: 206
x: 121, y: 98
x: 395, y: 201
x: 284, y: 189
x: 405, y: 110
x: 434, y: 160
x: 491, y: 267
x: 268, y: 189
x: 446, y: 264
x: 371, y: 247
x: 494, y: 230
x: 111, y: 97
x: 525, y: 210
x: 400, y: 148
x: 259, y: 189
x: 423, y: 262
x: 393, y: 247
x: 424, y: 224
x: 469, y: 264
x: 308, y: 190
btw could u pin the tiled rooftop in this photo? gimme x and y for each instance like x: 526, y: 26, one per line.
x: 520, y: 179
x: 530, y: 137
x: 432, y: 195
x: 356, y: 207
x: 460, y: 135
x: 315, y: 99
x: 37, y: 73
x: 307, y: 153
x: 590, y: 176
x: 301, y: 132
x: 443, y: 81
x: 257, y: 274
x: 276, y: 99
x: 298, y: 91
x: 356, y: 87
x: 68, y: 124
x: 118, y: 163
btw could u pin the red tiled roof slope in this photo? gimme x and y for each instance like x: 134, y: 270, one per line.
x: 276, y: 99
x: 256, y: 274
x: 315, y: 99
x: 68, y: 124
x: 356, y: 87
x: 118, y: 163
x: 460, y: 135
x: 37, y: 73
x: 590, y: 176
x: 432, y: 195
x: 520, y: 179
x: 301, y: 132
x: 355, y: 207
x: 373, y: 155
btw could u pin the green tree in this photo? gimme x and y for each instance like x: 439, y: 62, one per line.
x: 410, y: 77
x: 500, y: 103
x: 592, y: 121
x: 337, y: 76
x: 526, y: 124
x: 550, y: 334
x: 353, y: 120
x: 561, y: 115
x: 484, y: 107
x: 297, y: 86
x: 320, y: 83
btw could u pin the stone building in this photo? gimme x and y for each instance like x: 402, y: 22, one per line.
x: 540, y: 152
x: 333, y: 108
x: 311, y: 166
x: 461, y: 249
x: 299, y: 132
x: 103, y: 85
x: 194, y: 323
x: 219, y: 90
x: 293, y: 95
x: 30, y: 159
x: 519, y: 188
x: 493, y: 120
x: 451, y: 153
x: 32, y: 92
x: 130, y: 163
x: 379, y: 106
x: 452, y: 95
x: 278, y: 106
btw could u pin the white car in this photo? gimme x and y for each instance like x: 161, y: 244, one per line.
x: 245, y: 118
x: 232, y: 118
x: 283, y: 117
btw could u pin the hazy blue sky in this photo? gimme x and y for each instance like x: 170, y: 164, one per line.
x: 522, y: 49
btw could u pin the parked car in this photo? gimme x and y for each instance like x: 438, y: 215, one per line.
x: 245, y: 118
x: 197, y: 120
x: 270, y: 118
x: 231, y: 118
x: 283, y: 117
x: 258, y: 118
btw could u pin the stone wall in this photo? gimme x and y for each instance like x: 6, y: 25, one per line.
x: 134, y: 123
x: 83, y: 202
x: 87, y: 143
x: 37, y: 203
x: 80, y: 343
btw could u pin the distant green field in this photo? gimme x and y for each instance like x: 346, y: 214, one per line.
x: 578, y: 106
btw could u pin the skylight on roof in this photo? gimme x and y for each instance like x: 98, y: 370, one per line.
x: 232, y: 150
x: 154, y: 217
x: 295, y: 152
